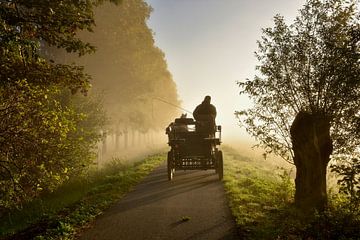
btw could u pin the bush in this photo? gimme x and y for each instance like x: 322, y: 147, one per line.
x: 349, y: 182
x: 54, y: 141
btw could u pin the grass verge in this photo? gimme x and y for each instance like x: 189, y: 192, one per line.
x: 255, y: 190
x: 61, y: 214
x: 261, y: 196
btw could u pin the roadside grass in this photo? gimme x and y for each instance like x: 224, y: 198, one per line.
x: 257, y: 191
x: 261, y: 200
x: 61, y: 214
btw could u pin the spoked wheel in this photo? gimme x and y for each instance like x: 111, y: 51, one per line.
x: 216, y: 161
x: 220, y: 165
x: 170, y: 163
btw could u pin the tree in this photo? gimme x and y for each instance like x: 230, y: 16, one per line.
x: 28, y: 24
x: 306, y: 98
x: 129, y: 68
x: 44, y: 137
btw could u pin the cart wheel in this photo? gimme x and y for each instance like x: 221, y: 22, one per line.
x: 216, y: 164
x: 220, y: 165
x: 170, y: 170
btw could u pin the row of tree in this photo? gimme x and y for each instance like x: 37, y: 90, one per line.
x: 49, y: 127
x: 128, y: 68
x: 307, y: 97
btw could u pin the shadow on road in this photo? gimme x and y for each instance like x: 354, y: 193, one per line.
x: 156, y: 187
x: 191, y: 206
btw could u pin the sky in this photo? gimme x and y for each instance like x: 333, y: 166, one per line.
x: 209, y: 45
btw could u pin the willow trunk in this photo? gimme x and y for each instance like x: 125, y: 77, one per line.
x: 312, y: 145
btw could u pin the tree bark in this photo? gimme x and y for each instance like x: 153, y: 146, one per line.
x: 312, y: 145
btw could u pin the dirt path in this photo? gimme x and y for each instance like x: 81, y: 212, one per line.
x: 192, y: 206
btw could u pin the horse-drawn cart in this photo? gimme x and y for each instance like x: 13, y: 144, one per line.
x: 192, y: 148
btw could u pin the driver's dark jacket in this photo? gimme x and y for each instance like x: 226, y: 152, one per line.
x: 204, y: 109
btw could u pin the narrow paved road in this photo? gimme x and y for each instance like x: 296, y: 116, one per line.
x: 157, y: 208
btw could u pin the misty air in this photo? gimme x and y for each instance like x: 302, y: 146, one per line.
x: 179, y: 119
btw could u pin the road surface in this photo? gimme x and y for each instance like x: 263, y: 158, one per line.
x: 192, y: 206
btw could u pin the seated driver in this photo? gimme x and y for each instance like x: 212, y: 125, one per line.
x: 205, y: 115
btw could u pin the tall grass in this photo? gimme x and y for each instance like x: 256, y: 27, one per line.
x: 61, y: 213
x: 261, y: 199
x: 256, y: 190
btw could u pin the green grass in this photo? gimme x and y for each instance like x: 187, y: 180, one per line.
x: 61, y: 214
x: 261, y: 200
x: 258, y: 193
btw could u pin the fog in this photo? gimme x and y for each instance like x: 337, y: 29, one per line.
x: 129, y: 147
x: 210, y: 44
x: 131, y: 75
x: 140, y: 95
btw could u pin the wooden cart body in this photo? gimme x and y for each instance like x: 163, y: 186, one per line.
x: 192, y: 148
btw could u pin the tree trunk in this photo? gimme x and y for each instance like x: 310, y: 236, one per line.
x: 312, y: 145
x: 117, y: 137
x: 126, y: 138
x: 132, y: 138
x: 104, y: 144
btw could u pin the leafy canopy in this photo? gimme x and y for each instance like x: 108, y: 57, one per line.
x: 46, y: 134
x: 26, y: 25
x: 129, y: 68
x: 310, y: 65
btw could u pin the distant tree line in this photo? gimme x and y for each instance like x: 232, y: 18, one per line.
x: 51, y: 120
x: 128, y: 68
